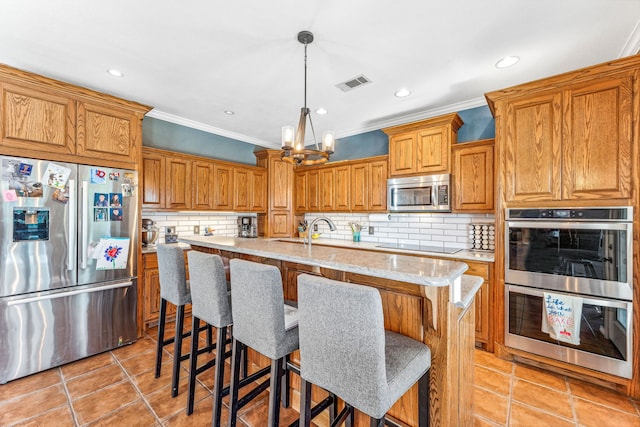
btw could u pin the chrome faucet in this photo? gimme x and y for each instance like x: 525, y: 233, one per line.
x: 332, y: 227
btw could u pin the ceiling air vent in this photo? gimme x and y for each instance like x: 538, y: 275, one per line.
x: 353, y: 83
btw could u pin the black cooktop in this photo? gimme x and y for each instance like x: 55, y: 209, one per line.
x: 419, y: 248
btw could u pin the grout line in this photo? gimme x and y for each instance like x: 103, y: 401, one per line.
x: 135, y: 387
x: 66, y: 392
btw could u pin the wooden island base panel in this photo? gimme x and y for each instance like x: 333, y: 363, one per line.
x: 426, y: 299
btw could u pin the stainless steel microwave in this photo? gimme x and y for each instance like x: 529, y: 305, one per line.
x: 427, y: 193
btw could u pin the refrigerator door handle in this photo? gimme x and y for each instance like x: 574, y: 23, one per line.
x: 84, y: 241
x: 71, y: 240
x: 69, y: 293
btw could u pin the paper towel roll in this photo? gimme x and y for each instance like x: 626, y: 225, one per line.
x: 381, y: 217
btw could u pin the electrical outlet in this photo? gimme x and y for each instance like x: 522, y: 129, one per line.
x: 196, y: 229
x: 371, y: 229
x: 315, y: 227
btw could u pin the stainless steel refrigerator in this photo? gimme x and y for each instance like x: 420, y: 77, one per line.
x: 68, y: 264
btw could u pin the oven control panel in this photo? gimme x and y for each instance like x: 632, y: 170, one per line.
x: 576, y: 214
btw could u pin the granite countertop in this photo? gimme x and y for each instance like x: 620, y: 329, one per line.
x: 370, y: 246
x: 153, y: 249
x: 417, y: 270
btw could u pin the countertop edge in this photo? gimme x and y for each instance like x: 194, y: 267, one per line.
x: 470, y: 287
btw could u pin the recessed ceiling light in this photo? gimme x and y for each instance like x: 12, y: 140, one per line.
x: 402, y: 93
x: 321, y: 111
x: 507, y: 61
x: 115, y: 73
x: 229, y: 112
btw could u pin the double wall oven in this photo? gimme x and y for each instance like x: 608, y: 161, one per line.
x: 579, y: 254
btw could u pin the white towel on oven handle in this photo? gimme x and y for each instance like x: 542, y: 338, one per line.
x: 561, y: 317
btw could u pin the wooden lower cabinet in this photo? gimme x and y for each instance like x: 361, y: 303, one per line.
x: 150, y: 289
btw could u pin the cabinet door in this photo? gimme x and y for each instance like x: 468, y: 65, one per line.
x: 223, y: 187
x: 281, y: 177
x: 433, y: 147
x: 597, y: 140
x: 178, y: 183
x: 37, y: 121
x: 377, y: 186
x: 151, y: 289
x: 280, y: 224
x: 242, y: 193
x: 153, y: 178
x: 359, y: 187
x: 259, y: 191
x: 203, y: 185
x: 327, y: 185
x: 342, y: 188
x: 107, y: 133
x: 313, y: 190
x: 473, y: 177
x: 532, y: 149
x: 300, y: 190
x: 402, y: 154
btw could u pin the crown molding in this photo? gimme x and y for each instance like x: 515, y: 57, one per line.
x: 632, y: 46
x: 375, y: 125
x: 172, y: 118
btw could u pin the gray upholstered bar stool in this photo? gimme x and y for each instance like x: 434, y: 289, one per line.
x: 345, y: 349
x: 209, y: 303
x: 174, y: 288
x: 259, y: 322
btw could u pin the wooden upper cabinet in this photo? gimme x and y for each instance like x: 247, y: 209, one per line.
x: 37, y: 120
x: 473, y: 177
x: 202, y: 185
x: 313, y: 190
x: 433, y: 147
x: 360, y: 187
x: 49, y: 119
x: 402, y: 153
x: 532, y: 149
x: 258, y: 188
x: 108, y: 132
x: 327, y: 185
x: 572, y: 142
x: 342, y: 188
x: 153, y: 176
x: 597, y: 140
x: 281, y: 177
x: 242, y: 193
x: 377, y: 186
x: 223, y: 187
x: 300, y: 190
x: 422, y: 147
x: 178, y: 183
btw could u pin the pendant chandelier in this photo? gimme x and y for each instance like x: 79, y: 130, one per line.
x: 293, y: 149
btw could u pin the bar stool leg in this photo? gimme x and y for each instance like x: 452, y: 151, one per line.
x: 286, y: 399
x: 177, y: 351
x: 193, y: 363
x: 219, y: 376
x: 305, y: 403
x: 274, y: 393
x: 235, y: 380
x: 424, y: 400
x: 210, y: 338
x: 377, y: 422
x: 159, y: 346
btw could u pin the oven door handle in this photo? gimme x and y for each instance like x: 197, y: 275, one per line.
x: 585, y: 299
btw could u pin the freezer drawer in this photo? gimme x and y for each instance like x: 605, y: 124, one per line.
x: 47, y: 329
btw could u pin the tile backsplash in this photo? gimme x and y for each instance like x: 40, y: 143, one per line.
x: 427, y: 229
x: 223, y: 223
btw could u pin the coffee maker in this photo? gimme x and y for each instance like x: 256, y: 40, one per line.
x: 150, y: 232
x: 247, y: 226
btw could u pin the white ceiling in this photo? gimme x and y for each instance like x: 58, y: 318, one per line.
x: 193, y: 59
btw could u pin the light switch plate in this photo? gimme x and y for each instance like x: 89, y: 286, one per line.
x: 371, y: 229
x: 196, y: 229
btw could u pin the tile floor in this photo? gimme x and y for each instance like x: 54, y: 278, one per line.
x: 118, y: 388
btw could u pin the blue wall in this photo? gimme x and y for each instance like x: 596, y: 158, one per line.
x: 478, y: 124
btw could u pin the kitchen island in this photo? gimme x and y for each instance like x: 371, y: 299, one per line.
x: 427, y: 299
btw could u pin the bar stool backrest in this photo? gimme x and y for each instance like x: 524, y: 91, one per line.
x: 258, y: 308
x: 209, y: 295
x: 173, y: 278
x: 342, y: 341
